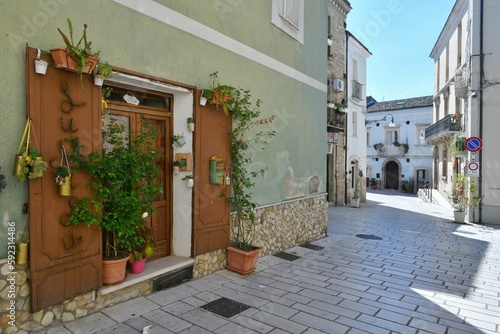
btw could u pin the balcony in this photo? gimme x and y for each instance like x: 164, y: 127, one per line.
x: 445, y: 127
x: 390, y: 150
x: 336, y: 120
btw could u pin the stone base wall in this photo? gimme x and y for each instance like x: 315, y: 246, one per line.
x: 80, y: 306
x: 279, y: 226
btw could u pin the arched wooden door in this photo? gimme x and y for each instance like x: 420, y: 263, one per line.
x: 391, y: 175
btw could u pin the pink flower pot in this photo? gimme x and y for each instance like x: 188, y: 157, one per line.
x: 138, y: 266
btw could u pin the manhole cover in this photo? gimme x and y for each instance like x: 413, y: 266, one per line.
x: 368, y: 237
x: 311, y: 246
x: 225, y: 307
x: 287, y: 256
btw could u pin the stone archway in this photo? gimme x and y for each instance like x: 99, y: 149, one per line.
x: 391, y: 175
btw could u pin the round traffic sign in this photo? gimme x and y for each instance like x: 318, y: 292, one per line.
x: 473, y: 144
x: 473, y: 166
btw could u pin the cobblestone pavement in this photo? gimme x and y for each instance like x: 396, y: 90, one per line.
x: 394, y: 265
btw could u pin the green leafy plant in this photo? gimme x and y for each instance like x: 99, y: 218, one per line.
x: 32, y: 165
x: 464, y: 194
x: 123, y: 180
x: 373, y: 182
x: 243, y: 137
x: 219, y: 94
x: 103, y: 70
x: 145, y: 247
x: 190, y: 120
x: 79, y: 50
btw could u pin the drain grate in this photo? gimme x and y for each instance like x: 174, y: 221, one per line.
x: 287, y: 256
x: 224, y: 307
x: 368, y: 237
x: 311, y: 246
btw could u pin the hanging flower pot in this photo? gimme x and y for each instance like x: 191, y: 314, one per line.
x: 41, y: 66
x: 179, y: 140
x: 63, y: 175
x: 98, y: 81
x: 21, y: 253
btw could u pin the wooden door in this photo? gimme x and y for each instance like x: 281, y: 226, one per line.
x: 211, y: 230
x: 160, y: 220
x: 65, y: 261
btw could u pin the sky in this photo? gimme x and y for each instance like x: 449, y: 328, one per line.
x: 400, y: 34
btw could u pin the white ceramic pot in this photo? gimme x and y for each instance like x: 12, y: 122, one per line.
x: 191, y: 127
x: 41, y: 66
x: 98, y: 81
x: 190, y: 183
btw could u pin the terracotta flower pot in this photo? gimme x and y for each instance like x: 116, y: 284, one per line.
x: 241, y: 261
x: 114, y: 271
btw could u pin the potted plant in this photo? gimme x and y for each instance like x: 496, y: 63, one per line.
x: 123, y: 180
x: 77, y: 56
x: 220, y: 95
x: 373, y: 183
x: 242, y: 254
x: 178, y: 140
x: 189, y: 180
x: 144, y: 247
x: 190, y: 123
x: 102, y: 71
x: 177, y: 164
x: 63, y: 180
x: 464, y: 197
x: 31, y: 165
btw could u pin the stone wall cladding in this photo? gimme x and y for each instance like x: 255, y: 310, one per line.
x: 279, y: 226
x: 69, y: 310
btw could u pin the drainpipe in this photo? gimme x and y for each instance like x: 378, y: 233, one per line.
x: 481, y: 86
x: 347, y: 118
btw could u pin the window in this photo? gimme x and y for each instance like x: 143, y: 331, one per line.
x: 391, y: 136
x: 368, y: 139
x: 354, y: 124
x: 444, y: 171
x: 420, y: 134
x: 288, y: 15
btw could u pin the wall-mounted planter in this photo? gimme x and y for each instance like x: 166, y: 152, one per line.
x: 98, y: 81
x: 191, y: 127
x: 41, y: 66
x: 65, y: 61
x: 179, y: 140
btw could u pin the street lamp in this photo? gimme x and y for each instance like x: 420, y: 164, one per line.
x: 391, y: 123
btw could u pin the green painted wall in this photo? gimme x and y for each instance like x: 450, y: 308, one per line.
x: 134, y: 41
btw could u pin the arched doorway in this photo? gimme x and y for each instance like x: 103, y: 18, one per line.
x: 391, y: 175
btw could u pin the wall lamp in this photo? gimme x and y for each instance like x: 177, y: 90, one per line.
x: 391, y: 123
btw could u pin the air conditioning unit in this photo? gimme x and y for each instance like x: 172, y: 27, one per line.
x: 338, y: 85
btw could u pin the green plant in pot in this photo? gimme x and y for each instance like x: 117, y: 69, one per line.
x: 464, y: 196
x: 79, y: 52
x: 123, y: 179
x: 32, y: 165
x: 373, y: 183
x: 244, y: 138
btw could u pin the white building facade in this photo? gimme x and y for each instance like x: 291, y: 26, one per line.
x: 466, y: 85
x: 357, y: 54
x: 398, y: 156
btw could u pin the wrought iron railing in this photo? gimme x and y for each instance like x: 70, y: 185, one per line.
x: 444, y: 125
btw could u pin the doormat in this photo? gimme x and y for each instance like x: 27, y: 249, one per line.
x: 368, y: 237
x: 225, y: 307
x: 287, y: 256
x: 311, y: 246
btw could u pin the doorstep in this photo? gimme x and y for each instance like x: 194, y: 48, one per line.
x: 153, y: 269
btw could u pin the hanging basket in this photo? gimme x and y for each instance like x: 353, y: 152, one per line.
x: 18, y: 169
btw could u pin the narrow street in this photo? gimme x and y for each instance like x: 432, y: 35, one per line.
x: 394, y: 265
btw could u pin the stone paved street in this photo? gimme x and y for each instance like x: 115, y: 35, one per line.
x: 394, y: 265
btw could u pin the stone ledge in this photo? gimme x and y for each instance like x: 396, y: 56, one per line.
x: 153, y: 269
